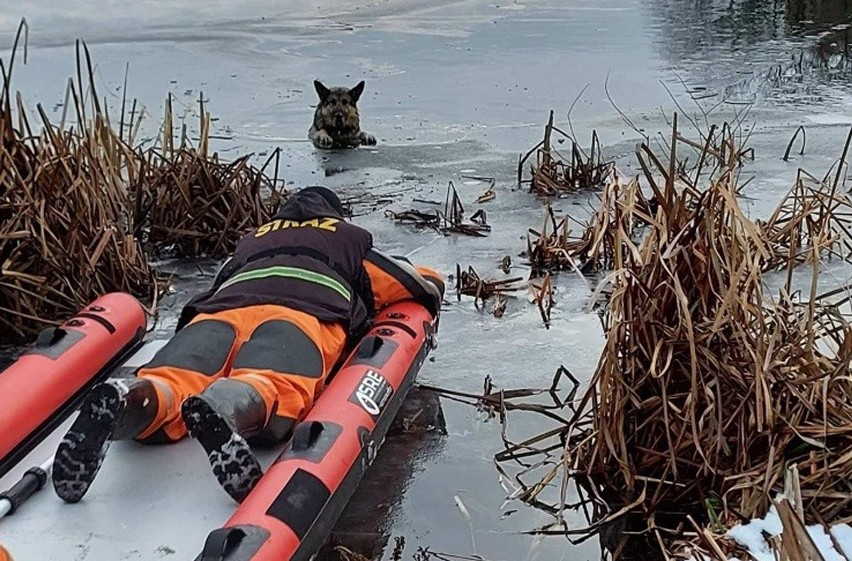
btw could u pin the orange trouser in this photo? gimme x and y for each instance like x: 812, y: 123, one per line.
x: 4, y: 555
x: 284, y: 354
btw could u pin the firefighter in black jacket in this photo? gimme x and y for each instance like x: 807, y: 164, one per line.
x: 251, y: 354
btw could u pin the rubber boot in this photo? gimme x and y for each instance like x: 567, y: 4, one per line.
x: 117, y: 409
x: 221, y: 418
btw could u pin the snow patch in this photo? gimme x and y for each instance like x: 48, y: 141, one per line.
x: 752, y: 537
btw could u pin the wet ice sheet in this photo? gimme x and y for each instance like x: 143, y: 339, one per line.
x: 145, y: 504
x: 148, y: 502
x: 453, y: 89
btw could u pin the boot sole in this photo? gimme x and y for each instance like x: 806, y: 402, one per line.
x: 81, y: 452
x: 231, y: 458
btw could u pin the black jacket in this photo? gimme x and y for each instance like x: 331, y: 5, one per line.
x: 306, y: 258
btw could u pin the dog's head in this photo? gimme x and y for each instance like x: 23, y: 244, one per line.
x: 338, y: 107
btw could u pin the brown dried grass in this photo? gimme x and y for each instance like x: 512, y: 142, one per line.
x: 552, y: 174
x: 707, y: 388
x: 622, y: 213
x: 469, y: 283
x: 76, y: 202
x: 448, y: 220
x: 65, y: 236
x: 190, y: 203
x: 814, y: 220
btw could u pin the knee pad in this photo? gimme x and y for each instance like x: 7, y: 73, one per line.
x: 283, y: 347
x: 201, y: 347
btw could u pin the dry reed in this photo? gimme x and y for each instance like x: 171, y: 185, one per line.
x: 190, y: 203
x: 551, y: 174
x: 707, y: 389
x: 621, y: 215
x: 469, y: 283
x: 75, y: 201
x: 450, y: 219
x: 65, y: 236
x: 813, y: 221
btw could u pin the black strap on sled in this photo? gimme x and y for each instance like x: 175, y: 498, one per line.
x: 237, y: 543
x: 49, y: 336
x: 305, y: 435
x: 221, y: 542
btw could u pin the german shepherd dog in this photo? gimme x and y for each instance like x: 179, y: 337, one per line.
x: 337, y: 123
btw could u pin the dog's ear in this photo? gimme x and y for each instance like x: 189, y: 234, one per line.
x: 357, y: 91
x: 322, y: 91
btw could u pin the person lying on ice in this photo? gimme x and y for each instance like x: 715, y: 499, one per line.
x: 251, y: 354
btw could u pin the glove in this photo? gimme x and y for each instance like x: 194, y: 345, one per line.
x: 435, y: 282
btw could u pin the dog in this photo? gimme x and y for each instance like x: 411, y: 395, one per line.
x: 337, y: 123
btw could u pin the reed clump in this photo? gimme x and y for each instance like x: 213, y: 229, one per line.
x: 620, y: 218
x: 65, y: 234
x: 708, y: 388
x: 553, y: 174
x: 83, y: 208
x: 189, y: 203
x: 813, y: 221
x: 200, y: 206
x: 448, y: 220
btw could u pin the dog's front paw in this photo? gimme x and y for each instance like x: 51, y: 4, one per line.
x: 323, y: 140
x: 367, y: 139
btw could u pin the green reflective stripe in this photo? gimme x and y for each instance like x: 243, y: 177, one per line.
x: 291, y: 273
